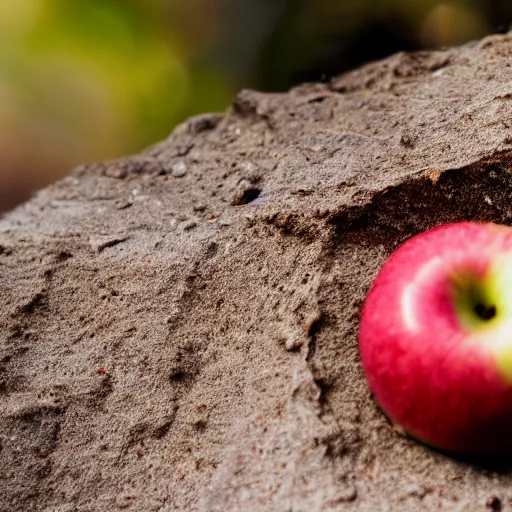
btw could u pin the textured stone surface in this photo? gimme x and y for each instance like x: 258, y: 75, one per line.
x: 188, y: 340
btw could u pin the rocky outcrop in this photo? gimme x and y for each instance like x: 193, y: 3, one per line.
x: 178, y: 329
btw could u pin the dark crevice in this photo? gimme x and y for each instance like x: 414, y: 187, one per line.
x: 481, y: 192
x: 64, y: 255
x: 313, y: 330
x: 315, y: 326
x: 33, y: 303
x: 178, y: 376
x: 250, y: 195
x: 324, y: 390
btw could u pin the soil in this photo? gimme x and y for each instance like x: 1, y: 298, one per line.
x: 178, y: 329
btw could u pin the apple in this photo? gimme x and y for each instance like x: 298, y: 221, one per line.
x: 436, y: 338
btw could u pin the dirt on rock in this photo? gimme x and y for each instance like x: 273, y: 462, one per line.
x: 178, y: 329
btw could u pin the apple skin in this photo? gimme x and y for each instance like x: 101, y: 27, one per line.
x: 437, y: 368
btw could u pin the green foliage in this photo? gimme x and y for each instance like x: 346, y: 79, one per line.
x: 108, y: 75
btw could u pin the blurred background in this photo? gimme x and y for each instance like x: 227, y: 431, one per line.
x: 85, y: 80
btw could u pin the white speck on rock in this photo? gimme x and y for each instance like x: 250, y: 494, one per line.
x: 178, y: 170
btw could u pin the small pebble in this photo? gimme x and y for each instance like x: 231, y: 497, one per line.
x: 294, y: 341
x: 178, y: 170
x: 118, y: 172
x: 347, y: 495
x: 121, y: 204
x: 247, y: 167
x: 414, y: 489
x: 188, y: 225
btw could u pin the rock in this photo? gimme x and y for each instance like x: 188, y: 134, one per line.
x: 232, y: 374
x: 179, y: 170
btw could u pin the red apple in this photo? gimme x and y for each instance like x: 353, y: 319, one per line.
x: 436, y: 338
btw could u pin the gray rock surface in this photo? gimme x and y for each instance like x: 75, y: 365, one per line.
x: 190, y: 343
